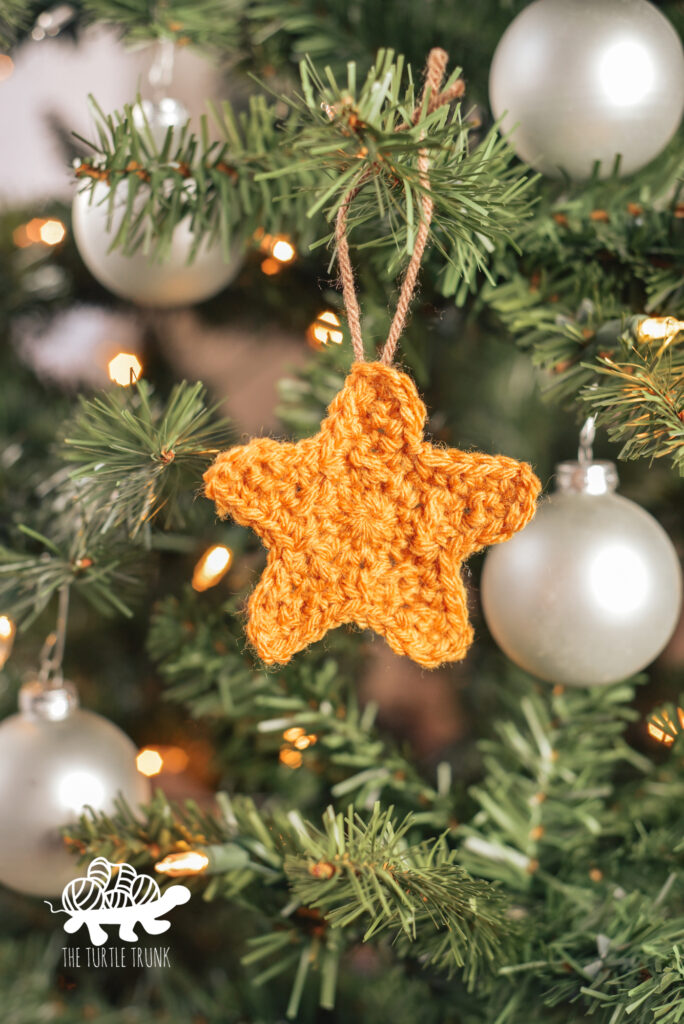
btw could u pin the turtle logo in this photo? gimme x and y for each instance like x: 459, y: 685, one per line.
x: 115, y: 894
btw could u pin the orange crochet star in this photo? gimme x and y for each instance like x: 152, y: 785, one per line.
x: 367, y: 522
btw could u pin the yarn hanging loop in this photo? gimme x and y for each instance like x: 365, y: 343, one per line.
x: 434, y: 97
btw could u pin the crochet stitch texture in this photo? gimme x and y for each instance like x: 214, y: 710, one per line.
x: 366, y: 522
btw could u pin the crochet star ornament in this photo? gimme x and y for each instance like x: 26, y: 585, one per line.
x: 368, y: 523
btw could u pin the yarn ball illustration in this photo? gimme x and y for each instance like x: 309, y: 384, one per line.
x: 121, y: 893
x: 368, y: 523
x: 145, y: 890
x: 83, y: 894
x: 100, y: 871
x: 94, y: 891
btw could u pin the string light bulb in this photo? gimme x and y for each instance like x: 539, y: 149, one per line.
x: 279, y: 251
x: 52, y: 232
x: 662, y: 329
x: 124, y: 369
x: 45, y: 230
x: 663, y: 727
x: 154, y: 760
x: 283, y: 251
x: 180, y: 865
x: 6, y: 628
x: 7, y: 631
x: 325, y: 330
x: 296, y: 740
x: 210, y: 860
x: 149, y: 762
x: 211, y: 567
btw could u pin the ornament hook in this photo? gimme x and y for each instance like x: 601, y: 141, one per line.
x: 585, y: 452
x: 52, y: 653
x: 160, y: 75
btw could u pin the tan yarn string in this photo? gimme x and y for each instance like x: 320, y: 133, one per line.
x: 436, y: 68
x: 351, y: 301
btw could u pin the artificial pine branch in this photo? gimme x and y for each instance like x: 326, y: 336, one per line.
x: 640, y: 399
x: 337, y: 137
x: 137, y: 456
x: 15, y: 18
x: 356, y: 879
x: 199, y: 650
x: 596, y: 259
x: 549, y: 782
x: 600, y: 900
x: 212, y: 183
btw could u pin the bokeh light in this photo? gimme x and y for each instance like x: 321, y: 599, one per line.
x: 149, y: 762
x: 124, y: 369
x: 52, y: 232
x: 325, y: 330
x: 211, y: 567
x: 6, y: 66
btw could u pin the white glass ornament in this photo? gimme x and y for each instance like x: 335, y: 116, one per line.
x: 590, y: 591
x: 54, y: 759
x: 157, y: 118
x: 584, y: 80
x: 148, y: 282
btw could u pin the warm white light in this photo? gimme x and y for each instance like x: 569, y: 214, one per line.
x: 626, y: 73
x: 149, y: 762
x: 619, y: 580
x: 6, y: 628
x: 52, y: 232
x: 80, y: 788
x: 283, y: 251
x: 325, y: 330
x: 177, y: 865
x: 124, y: 369
x: 211, y: 567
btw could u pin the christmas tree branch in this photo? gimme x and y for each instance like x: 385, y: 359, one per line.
x: 270, y: 171
x: 107, y: 575
x: 548, y: 784
x: 136, y: 456
x: 306, y: 715
x: 350, y: 882
x: 596, y: 260
x: 639, y: 397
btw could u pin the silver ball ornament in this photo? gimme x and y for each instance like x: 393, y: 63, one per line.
x: 590, y: 591
x: 157, y: 118
x: 586, y: 80
x: 140, y: 278
x: 54, y: 759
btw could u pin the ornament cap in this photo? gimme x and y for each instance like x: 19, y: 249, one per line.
x: 48, y: 703
x: 586, y: 477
